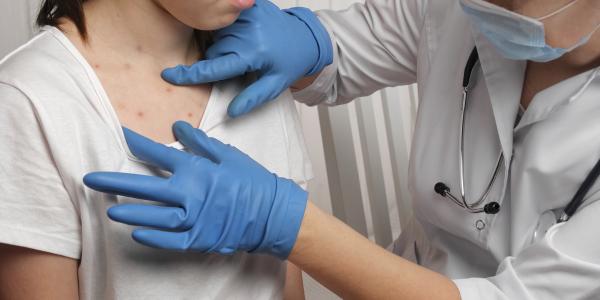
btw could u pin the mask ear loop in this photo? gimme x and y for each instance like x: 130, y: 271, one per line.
x: 584, y: 39
x: 552, y: 14
x: 586, y: 85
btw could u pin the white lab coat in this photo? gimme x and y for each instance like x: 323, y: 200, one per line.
x: 549, y: 153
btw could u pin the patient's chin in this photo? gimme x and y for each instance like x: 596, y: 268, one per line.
x: 213, y: 23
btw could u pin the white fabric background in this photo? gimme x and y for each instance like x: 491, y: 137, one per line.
x: 359, y: 151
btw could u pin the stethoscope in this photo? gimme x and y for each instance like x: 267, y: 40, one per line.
x: 443, y: 189
x: 548, y: 218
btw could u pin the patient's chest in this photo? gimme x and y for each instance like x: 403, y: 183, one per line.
x: 114, y: 266
x: 145, y: 103
x: 131, y: 82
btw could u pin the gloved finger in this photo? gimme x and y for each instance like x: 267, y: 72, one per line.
x: 198, y: 142
x: 229, y: 45
x: 232, y: 30
x: 164, y: 157
x: 133, y: 186
x: 206, y: 71
x: 163, y: 217
x: 167, y: 240
x: 263, y: 90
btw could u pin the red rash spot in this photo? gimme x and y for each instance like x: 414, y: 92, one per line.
x: 140, y: 114
x: 169, y: 90
x: 97, y: 66
x: 190, y: 115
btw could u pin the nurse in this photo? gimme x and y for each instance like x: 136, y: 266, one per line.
x: 507, y: 132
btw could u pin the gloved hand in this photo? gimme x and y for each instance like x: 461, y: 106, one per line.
x: 217, y: 200
x: 281, y: 46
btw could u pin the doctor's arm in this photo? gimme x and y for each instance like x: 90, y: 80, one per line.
x: 376, y: 45
x: 222, y: 201
x: 355, y: 268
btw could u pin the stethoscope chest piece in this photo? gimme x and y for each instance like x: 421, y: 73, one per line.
x: 491, y: 208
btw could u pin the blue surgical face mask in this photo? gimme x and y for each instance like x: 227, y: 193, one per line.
x: 516, y: 36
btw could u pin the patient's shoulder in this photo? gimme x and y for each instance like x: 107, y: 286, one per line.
x: 45, y: 63
x: 44, y: 77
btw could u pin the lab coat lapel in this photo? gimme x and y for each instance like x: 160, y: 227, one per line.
x: 504, y: 81
x: 556, y: 97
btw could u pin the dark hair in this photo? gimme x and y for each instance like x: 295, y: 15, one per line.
x: 52, y: 10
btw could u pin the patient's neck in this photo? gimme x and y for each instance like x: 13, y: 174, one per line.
x: 129, y: 43
x: 139, y: 31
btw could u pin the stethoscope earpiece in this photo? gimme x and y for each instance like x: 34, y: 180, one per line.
x: 491, y: 208
x: 441, y: 188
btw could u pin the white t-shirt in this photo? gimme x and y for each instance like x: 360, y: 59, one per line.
x: 57, y: 124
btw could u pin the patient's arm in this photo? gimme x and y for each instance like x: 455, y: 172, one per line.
x: 294, y: 287
x: 31, y: 274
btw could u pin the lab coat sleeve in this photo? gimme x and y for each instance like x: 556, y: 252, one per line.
x: 564, y: 265
x: 376, y: 45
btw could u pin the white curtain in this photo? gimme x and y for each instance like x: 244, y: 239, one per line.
x: 360, y: 155
x: 359, y: 151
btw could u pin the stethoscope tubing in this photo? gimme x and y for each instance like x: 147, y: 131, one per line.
x: 442, y: 188
x: 579, y: 196
x: 494, y: 207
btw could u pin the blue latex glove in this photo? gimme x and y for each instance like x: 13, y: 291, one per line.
x: 217, y: 200
x: 281, y: 46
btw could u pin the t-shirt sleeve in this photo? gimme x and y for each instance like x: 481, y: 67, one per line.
x: 36, y: 210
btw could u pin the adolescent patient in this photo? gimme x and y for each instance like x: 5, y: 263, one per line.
x: 64, y: 98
